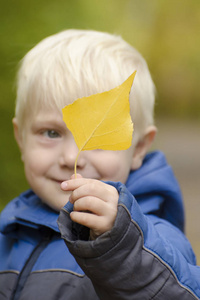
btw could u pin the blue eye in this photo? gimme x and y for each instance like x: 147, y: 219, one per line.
x: 52, y: 134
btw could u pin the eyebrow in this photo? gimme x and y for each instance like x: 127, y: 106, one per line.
x: 48, y: 122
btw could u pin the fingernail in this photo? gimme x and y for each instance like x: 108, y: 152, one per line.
x: 64, y: 185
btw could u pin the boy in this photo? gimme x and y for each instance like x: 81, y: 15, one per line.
x: 123, y: 215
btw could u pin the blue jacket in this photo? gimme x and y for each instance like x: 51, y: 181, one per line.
x: 144, y: 256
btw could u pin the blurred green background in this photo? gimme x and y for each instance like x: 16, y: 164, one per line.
x: 165, y: 32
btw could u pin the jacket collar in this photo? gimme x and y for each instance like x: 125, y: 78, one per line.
x: 157, y: 190
x: 28, y: 210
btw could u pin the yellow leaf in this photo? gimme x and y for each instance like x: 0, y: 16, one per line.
x: 101, y: 121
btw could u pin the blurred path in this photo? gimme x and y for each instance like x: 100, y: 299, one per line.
x: 180, y: 141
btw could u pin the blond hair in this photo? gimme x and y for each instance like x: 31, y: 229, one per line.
x: 76, y: 63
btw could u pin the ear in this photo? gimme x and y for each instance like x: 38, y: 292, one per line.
x: 142, y: 147
x: 18, y: 136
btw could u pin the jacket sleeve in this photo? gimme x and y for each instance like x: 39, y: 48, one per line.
x: 142, y: 257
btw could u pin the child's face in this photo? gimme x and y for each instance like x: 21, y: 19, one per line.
x: 49, y: 152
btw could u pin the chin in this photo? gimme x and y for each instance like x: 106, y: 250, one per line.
x: 55, y: 206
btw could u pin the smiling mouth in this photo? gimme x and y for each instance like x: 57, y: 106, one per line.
x: 58, y: 181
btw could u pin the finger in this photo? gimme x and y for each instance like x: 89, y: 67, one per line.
x: 96, y: 189
x: 91, y: 204
x: 94, y: 222
x: 73, y: 183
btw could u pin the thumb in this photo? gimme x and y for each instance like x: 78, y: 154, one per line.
x: 76, y: 176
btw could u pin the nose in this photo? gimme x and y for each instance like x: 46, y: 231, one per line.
x: 69, y: 154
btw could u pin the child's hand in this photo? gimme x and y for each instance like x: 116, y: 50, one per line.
x: 95, y: 204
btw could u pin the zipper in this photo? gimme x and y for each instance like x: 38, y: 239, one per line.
x: 30, y: 263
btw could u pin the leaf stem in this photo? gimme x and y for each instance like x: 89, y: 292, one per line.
x: 75, y: 164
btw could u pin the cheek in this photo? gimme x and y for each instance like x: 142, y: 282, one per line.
x: 114, y: 166
x: 35, y: 163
